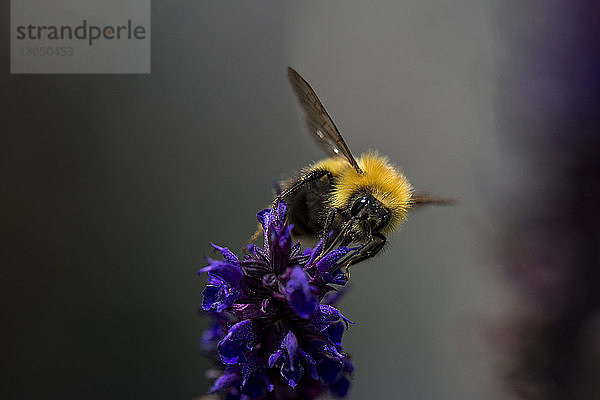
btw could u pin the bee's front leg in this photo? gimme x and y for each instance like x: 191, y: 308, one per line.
x: 367, y: 250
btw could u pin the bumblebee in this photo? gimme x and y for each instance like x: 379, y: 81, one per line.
x: 341, y: 199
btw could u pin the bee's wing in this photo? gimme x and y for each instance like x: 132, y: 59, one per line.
x: 320, y: 124
x: 419, y: 199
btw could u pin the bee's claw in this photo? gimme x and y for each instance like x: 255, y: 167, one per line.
x: 321, y: 254
x: 347, y: 271
x: 274, y: 208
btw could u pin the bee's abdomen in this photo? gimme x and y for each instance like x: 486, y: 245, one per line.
x: 307, y: 207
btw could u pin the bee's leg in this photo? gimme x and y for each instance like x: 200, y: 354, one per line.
x: 303, y: 180
x: 329, y: 241
x: 367, y: 250
x: 342, y: 238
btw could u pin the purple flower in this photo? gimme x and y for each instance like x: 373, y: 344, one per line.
x: 276, y: 333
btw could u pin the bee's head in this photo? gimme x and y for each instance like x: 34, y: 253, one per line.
x: 369, y: 213
x: 381, y: 192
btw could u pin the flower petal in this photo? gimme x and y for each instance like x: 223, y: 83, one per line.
x: 310, y: 363
x: 334, y: 333
x: 264, y: 217
x: 299, y: 294
x: 329, y: 259
x: 254, y: 387
x: 341, y: 387
x: 230, y: 273
x: 219, y: 298
x: 348, y: 366
x: 291, y: 357
x: 209, y: 297
x: 211, y: 335
x: 268, y: 215
x: 255, y: 381
x: 328, y: 262
x: 329, y: 369
x: 274, y: 357
x: 292, y: 373
x: 227, y: 254
x: 334, y: 296
x: 291, y: 370
x: 330, y: 321
x: 238, y: 340
x: 225, y: 381
x: 280, y: 242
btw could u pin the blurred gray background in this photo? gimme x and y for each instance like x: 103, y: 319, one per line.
x: 115, y: 184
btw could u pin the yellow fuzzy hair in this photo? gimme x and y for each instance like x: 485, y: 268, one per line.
x: 380, y: 178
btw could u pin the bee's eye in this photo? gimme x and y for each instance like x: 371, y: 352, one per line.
x: 385, y: 216
x: 358, y: 205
